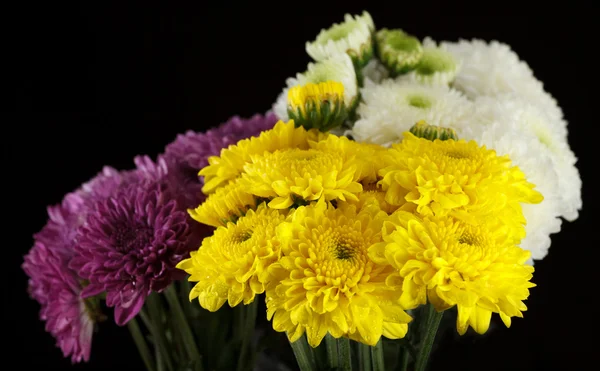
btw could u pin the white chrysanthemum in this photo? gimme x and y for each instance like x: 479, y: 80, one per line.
x: 280, y: 106
x: 353, y: 36
x: 375, y: 71
x: 389, y: 109
x: 494, y: 68
x: 506, y: 137
x: 436, y: 66
x: 526, y: 119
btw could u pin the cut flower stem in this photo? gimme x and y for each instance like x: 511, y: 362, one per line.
x: 432, y: 319
x: 183, y: 327
x: 249, y: 323
x: 377, y: 360
x: 141, y: 344
x: 304, y: 354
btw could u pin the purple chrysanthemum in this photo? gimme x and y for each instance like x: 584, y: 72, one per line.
x: 109, y: 181
x: 237, y: 128
x: 61, y: 228
x: 69, y: 318
x: 129, y: 246
x: 57, y: 288
x: 190, y: 151
x: 122, y: 233
x: 193, y: 148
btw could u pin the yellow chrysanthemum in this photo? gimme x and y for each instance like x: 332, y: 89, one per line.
x: 367, y: 156
x: 230, y: 164
x: 325, y: 281
x: 456, y: 178
x: 320, y: 106
x: 303, y: 175
x: 231, y: 265
x: 373, y: 195
x: 312, y: 96
x: 226, y: 205
x: 449, y: 262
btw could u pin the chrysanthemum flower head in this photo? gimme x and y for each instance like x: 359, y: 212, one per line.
x: 449, y: 262
x: 225, y: 205
x: 338, y: 69
x: 69, y: 318
x: 299, y: 176
x: 325, y: 281
x: 230, y: 163
x: 231, y: 265
x: 493, y: 68
x: 392, y: 107
x: 435, y: 67
x: 320, y: 106
x: 189, y: 153
x: 129, y: 247
x: 352, y: 37
x: 399, y: 51
x: 458, y: 178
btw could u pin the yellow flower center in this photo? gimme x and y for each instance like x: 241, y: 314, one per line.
x: 458, y: 155
x: 242, y: 236
x: 307, y: 161
x: 340, y: 256
x: 470, y: 239
x: 462, y: 157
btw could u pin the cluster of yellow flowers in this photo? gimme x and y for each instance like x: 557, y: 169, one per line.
x: 343, y: 237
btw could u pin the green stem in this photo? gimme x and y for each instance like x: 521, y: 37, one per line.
x: 332, y: 351
x: 377, y: 356
x: 146, y: 319
x: 140, y: 342
x: 344, y: 352
x: 433, y: 318
x: 364, y: 357
x: 404, y: 359
x: 183, y: 327
x: 160, y: 361
x: 155, y: 310
x: 249, y: 325
x: 239, y: 321
x: 184, y: 294
x: 407, y: 351
x: 304, y: 354
x: 160, y: 366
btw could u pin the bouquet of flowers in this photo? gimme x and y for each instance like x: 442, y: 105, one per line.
x: 395, y: 182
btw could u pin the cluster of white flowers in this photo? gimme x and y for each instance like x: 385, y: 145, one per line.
x: 481, y: 89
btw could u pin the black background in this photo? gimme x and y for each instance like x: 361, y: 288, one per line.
x: 99, y: 84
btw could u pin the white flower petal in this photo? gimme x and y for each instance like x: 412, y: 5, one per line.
x: 492, y: 69
x: 375, y: 71
x: 389, y: 109
x: 351, y: 35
